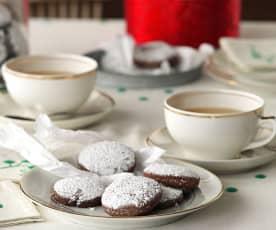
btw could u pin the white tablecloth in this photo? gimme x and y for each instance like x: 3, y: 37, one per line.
x: 252, y: 207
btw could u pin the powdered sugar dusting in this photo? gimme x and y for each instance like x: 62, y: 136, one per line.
x: 79, y: 188
x: 135, y: 191
x: 170, y: 170
x: 169, y: 194
x: 107, y: 158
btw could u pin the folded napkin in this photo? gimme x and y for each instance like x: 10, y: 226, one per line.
x: 15, y: 208
x: 12, y: 165
x: 250, y: 54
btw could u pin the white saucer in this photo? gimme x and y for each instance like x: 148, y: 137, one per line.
x: 37, y: 186
x: 249, y: 159
x: 96, y: 108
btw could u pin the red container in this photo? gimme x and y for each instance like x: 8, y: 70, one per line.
x: 182, y: 22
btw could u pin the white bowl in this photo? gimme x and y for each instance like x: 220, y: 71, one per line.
x: 52, y: 84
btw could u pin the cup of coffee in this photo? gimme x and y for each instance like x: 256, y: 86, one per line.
x: 217, y: 124
x: 51, y: 83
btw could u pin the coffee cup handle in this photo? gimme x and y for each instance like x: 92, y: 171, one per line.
x: 266, y: 140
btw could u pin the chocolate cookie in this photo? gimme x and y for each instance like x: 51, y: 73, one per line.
x: 131, y: 196
x: 107, y: 158
x: 79, y: 191
x: 152, y: 54
x: 173, y: 176
x: 170, y: 197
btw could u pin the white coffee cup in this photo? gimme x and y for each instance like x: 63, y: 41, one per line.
x: 216, y: 136
x: 51, y: 83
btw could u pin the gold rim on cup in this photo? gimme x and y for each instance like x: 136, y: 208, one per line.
x: 9, y: 68
x: 257, y: 111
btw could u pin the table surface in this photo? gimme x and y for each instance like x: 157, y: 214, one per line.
x: 138, y: 112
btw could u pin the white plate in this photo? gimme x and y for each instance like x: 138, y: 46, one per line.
x: 37, y: 186
x: 249, y: 159
x: 96, y: 108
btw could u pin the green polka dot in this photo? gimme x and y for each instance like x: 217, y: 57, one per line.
x: 9, y: 162
x: 25, y: 161
x: 260, y: 176
x: 231, y: 189
x: 168, y: 91
x: 121, y: 89
x: 143, y: 98
x: 1, y: 206
x: 31, y: 166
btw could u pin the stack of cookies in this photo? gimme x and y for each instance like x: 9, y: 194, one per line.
x: 161, y: 186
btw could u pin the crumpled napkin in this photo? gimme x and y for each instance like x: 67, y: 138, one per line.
x: 119, y: 57
x: 34, y: 148
x: 63, y: 142
x: 15, y: 208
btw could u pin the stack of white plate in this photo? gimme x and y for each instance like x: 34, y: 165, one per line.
x: 245, y: 74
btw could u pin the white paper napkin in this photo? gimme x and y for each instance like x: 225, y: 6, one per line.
x: 63, y: 142
x: 15, y: 208
x: 33, y: 148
